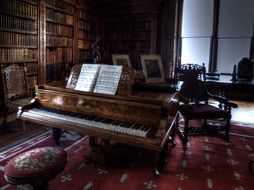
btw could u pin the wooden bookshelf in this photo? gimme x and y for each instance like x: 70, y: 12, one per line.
x: 50, y: 36
x: 130, y: 37
x: 86, y: 34
x: 130, y: 28
x: 59, y: 38
x: 19, y: 35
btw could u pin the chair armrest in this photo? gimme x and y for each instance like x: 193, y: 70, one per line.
x: 223, y: 100
x: 184, y: 100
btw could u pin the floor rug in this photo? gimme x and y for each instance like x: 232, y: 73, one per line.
x: 209, y: 163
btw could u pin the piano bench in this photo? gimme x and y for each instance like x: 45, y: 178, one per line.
x: 36, y: 167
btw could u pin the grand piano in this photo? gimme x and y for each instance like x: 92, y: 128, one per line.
x: 137, y: 118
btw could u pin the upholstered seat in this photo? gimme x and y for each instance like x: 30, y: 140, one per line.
x: 36, y: 167
x: 203, y: 111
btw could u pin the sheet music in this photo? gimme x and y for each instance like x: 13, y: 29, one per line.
x: 108, y: 79
x: 87, y: 77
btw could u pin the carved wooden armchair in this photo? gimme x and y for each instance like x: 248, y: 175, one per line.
x: 15, y: 89
x: 194, y: 105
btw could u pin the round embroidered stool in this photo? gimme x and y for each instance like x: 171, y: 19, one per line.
x: 36, y: 167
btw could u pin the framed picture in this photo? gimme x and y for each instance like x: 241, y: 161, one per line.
x: 121, y: 59
x: 152, y: 68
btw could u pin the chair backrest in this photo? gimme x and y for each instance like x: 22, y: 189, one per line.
x: 14, y: 82
x: 245, y: 69
x: 193, y: 77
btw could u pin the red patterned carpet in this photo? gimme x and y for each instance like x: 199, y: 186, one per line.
x: 208, y: 164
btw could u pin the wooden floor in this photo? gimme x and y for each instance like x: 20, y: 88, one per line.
x: 244, y: 113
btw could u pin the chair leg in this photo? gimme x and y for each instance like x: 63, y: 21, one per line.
x: 177, y: 120
x: 226, y: 138
x: 24, y: 125
x: 173, y: 133
x: 4, y: 126
x: 182, y: 133
x: 205, y: 122
x: 250, y: 164
x: 186, y: 131
x: 177, y: 129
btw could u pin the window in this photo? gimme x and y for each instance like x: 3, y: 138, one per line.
x: 235, y: 32
x: 196, y: 31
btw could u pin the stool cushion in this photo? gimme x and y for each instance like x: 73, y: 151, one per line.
x: 44, y: 162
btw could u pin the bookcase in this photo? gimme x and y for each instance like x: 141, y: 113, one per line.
x: 86, y: 24
x: 130, y: 37
x: 59, y: 38
x: 130, y: 28
x: 19, y: 36
x: 50, y: 36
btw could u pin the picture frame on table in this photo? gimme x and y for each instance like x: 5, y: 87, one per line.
x: 152, y: 68
x: 121, y: 59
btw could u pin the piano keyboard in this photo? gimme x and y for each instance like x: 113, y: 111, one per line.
x: 93, y: 121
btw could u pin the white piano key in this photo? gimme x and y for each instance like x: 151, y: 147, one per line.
x: 88, y: 120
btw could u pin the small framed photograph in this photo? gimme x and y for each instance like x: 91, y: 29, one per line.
x: 152, y: 68
x: 121, y: 59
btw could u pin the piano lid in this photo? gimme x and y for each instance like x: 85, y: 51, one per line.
x: 151, y: 97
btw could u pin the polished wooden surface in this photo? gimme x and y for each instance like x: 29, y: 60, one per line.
x: 153, y: 109
x: 226, y: 84
x: 227, y: 79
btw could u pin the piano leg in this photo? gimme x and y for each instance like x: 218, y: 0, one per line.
x: 98, y: 150
x: 162, y: 156
x: 56, y: 134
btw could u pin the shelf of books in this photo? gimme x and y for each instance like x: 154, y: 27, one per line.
x: 128, y: 34
x: 86, y: 34
x: 59, y: 38
x: 19, y: 36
